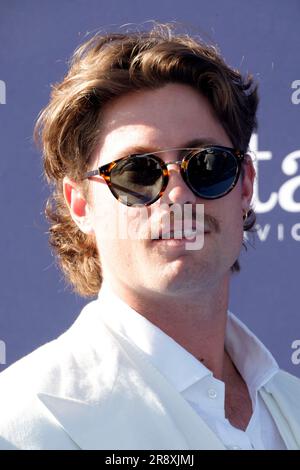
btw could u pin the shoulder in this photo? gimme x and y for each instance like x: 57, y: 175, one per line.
x: 67, y: 366
x: 40, y: 368
x: 23, y: 417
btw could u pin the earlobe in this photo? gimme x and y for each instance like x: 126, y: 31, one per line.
x: 77, y: 204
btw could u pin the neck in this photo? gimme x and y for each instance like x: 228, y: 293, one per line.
x: 196, y: 321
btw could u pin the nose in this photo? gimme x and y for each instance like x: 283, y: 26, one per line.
x: 177, y: 190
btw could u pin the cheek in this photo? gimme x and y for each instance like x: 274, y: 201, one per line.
x: 116, y: 227
x: 230, y: 216
x: 232, y: 226
x: 105, y: 217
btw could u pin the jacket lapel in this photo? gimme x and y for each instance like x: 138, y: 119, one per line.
x: 281, y: 396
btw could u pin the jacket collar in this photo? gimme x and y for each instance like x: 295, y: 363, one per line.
x: 281, y: 395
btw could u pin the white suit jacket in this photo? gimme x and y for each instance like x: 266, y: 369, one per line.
x: 92, y: 389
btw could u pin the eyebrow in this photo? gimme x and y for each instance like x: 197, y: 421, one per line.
x: 141, y: 149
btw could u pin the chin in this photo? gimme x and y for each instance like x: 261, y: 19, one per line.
x: 175, y: 285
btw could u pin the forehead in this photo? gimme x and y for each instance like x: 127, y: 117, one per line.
x: 166, y: 117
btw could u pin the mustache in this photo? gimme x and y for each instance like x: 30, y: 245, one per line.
x: 212, y: 223
x: 170, y: 220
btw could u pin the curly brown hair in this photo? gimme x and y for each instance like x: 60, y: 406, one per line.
x: 102, y: 69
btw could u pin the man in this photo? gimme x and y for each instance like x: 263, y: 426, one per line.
x: 144, y: 123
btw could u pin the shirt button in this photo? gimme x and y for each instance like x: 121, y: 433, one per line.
x: 234, y: 447
x: 212, y: 393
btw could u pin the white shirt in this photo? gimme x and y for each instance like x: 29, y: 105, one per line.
x: 195, y: 382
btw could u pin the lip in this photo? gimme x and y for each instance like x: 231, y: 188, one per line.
x: 186, y: 234
x: 175, y: 243
x: 173, y: 248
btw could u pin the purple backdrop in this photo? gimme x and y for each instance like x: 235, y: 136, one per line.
x: 36, y: 40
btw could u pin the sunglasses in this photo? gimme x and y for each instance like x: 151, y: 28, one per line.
x: 210, y: 172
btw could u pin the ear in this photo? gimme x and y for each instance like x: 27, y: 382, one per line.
x: 78, y: 206
x: 247, y: 183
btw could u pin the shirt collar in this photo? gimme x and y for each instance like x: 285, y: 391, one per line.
x: 182, y: 369
x: 252, y: 359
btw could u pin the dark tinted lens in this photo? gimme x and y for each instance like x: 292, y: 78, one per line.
x: 211, y: 172
x: 137, y: 179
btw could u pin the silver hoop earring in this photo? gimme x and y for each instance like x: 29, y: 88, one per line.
x: 245, y: 215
